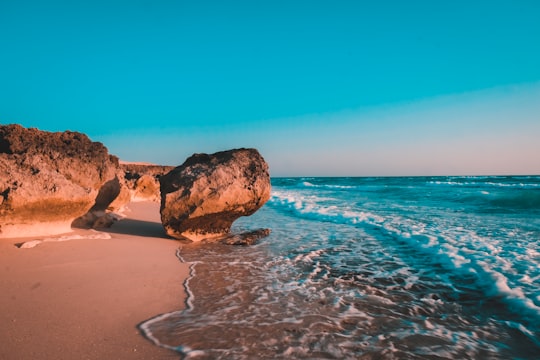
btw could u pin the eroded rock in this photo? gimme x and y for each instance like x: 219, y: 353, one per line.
x: 205, y: 195
x: 133, y: 182
x: 47, y: 179
x: 139, y: 182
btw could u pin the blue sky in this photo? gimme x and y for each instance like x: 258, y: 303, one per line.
x: 319, y: 87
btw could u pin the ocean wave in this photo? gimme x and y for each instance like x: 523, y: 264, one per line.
x: 461, y: 251
x: 528, y: 199
x: 308, y: 207
x: 327, y: 186
x: 497, y: 201
x: 484, y: 184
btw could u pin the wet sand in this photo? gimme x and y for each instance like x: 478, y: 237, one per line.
x: 83, y: 299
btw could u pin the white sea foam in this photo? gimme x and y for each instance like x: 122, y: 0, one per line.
x: 309, y: 207
x: 484, y: 184
x: 146, y: 326
x: 30, y: 244
x: 326, y: 186
x: 35, y: 229
x: 93, y: 234
x: 462, y: 251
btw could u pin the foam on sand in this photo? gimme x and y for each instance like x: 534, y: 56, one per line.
x: 93, y: 234
x: 35, y: 229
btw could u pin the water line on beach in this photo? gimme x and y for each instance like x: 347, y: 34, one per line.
x: 144, y: 327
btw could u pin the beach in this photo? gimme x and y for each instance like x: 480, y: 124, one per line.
x: 371, y: 268
x: 84, y: 298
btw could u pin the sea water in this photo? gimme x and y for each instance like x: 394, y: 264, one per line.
x: 370, y: 268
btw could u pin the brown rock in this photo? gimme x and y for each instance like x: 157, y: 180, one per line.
x: 246, y: 238
x: 147, y: 187
x: 48, y: 177
x: 204, y: 196
x: 104, y: 221
x: 133, y: 182
x: 141, y: 181
x: 123, y: 198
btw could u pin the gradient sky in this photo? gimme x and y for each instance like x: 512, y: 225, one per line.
x: 319, y: 87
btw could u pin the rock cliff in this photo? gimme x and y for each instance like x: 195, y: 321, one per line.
x: 203, y: 197
x: 48, y: 179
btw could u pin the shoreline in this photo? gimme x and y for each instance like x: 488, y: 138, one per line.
x: 86, y: 298
x: 145, y: 326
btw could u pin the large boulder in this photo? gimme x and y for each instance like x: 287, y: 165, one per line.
x: 203, y: 197
x: 48, y: 179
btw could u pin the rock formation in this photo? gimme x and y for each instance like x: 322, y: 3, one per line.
x: 142, y: 180
x: 48, y: 179
x: 133, y: 182
x: 203, y: 197
x: 98, y: 217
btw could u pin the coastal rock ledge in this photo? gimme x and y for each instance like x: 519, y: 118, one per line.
x: 48, y: 179
x: 203, y: 197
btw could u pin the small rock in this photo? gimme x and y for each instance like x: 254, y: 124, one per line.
x: 247, y: 238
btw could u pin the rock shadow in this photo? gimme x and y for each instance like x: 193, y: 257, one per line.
x: 138, y: 228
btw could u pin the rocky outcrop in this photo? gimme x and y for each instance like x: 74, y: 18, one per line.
x: 98, y: 217
x: 142, y: 181
x: 203, y: 197
x: 133, y: 182
x: 48, y: 178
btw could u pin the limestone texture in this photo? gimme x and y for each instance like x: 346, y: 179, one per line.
x: 203, y: 197
x: 142, y: 181
x: 133, y: 182
x: 49, y: 177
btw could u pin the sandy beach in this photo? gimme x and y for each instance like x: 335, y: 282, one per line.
x: 83, y: 299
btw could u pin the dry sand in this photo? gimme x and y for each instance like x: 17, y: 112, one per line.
x: 83, y: 299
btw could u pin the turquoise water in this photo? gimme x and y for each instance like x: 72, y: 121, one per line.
x: 370, y: 268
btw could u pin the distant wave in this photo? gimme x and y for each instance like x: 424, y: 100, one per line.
x: 529, y: 199
x: 326, y: 186
x: 485, y: 184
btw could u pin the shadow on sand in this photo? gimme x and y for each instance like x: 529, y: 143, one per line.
x: 153, y: 229
x: 138, y: 228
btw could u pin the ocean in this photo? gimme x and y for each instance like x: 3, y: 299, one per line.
x: 370, y: 268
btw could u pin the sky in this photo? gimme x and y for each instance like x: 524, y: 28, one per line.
x: 321, y: 88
